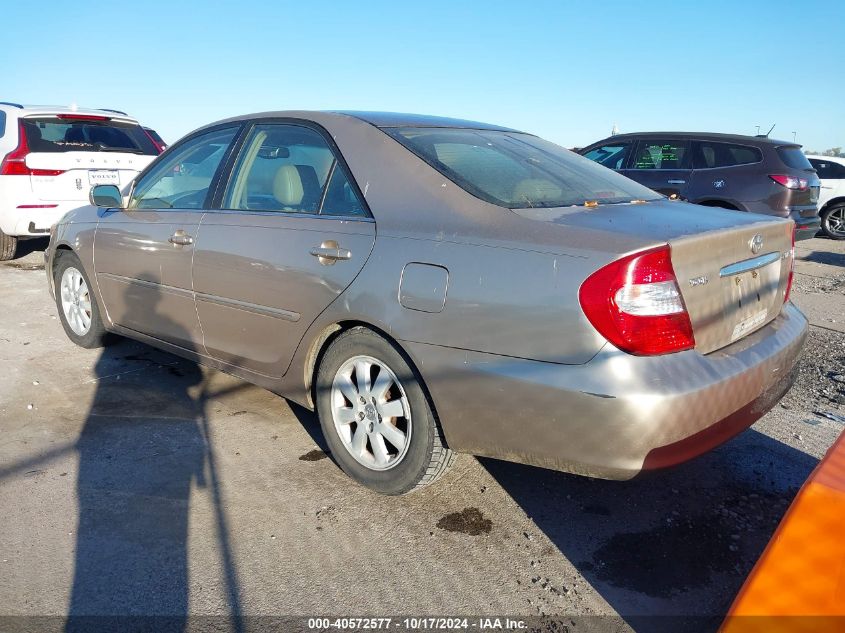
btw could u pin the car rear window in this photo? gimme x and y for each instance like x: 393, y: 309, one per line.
x: 516, y: 170
x: 2, y: 124
x: 792, y: 156
x: 54, y: 135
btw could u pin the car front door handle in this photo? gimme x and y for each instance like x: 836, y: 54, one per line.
x: 676, y: 182
x: 330, y: 252
x: 180, y: 238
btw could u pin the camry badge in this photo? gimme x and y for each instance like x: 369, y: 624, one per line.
x: 698, y: 281
x: 756, y: 243
x: 719, y: 184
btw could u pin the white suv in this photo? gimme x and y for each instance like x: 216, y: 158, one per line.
x: 51, y: 156
x: 831, y: 173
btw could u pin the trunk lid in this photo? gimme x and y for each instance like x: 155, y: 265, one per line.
x: 733, y: 280
x: 732, y: 267
x: 79, y: 171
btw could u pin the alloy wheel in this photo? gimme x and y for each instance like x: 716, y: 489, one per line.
x: 836, y: 221
x: 371, y: 412
x: 76, y: 301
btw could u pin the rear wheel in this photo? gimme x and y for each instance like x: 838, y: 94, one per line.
x: 8, y: 247
x: 375, y: 415
x: 833, y: 222
x: 78, y: 309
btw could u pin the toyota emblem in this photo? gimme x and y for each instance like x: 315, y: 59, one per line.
x: 756, y: 243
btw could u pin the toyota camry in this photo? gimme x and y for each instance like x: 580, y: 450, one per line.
x: 435, y: 286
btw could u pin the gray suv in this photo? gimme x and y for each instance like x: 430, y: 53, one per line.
x: 746, y: 173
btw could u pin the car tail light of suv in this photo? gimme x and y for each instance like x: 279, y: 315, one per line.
x: 790, y: 182
x: 14, y: 164
x: 636, y: 304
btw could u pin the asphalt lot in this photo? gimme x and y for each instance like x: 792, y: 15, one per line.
x: 135, y: 482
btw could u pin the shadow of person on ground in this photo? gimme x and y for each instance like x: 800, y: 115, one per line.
x: 142, y: 450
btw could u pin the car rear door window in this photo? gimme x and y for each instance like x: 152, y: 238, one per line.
x: 710, y: 155
x: 661, y: 154
x: 290, y: 168
x: 612, y: 155
x: 181, y: 180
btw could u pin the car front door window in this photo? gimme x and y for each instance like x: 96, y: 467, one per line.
x: 182, y: 179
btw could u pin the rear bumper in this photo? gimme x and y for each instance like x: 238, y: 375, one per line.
x: 34, y: 222
x: 616, y: 415
x: 805, y: 227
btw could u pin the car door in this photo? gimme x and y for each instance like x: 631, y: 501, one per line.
x: 290, y: 234
x: 662, y: 165
x: 143, y: 254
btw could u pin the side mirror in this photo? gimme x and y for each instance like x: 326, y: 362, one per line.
x: 106, y: 196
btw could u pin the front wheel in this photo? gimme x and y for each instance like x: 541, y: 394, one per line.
x: 8, y: 246
x: 78, y: 309
x: 375, y: 415
x: 833, y: 222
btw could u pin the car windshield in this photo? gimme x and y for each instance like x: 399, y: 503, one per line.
x: 76, y: 133
x: 517, y: 170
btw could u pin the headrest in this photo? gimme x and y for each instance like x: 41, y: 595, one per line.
x: 536, y: 190
x: 287, y: 186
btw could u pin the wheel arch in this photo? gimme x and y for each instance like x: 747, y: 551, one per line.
x: 321, y: 342
x: 833, y: 202
x: 716, y: 202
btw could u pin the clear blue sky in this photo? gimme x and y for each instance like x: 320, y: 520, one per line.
x: 566, y: 70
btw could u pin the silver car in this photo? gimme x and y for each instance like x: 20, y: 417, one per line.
x: 433, y: 286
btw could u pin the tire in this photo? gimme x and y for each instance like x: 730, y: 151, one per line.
x: 78, y: 309
x: 8, y: 247
x: 833, y: 222
x: 395, y: 407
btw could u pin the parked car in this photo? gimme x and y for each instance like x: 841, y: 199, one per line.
x: 747, y: 173
x: 51, y: 156
x: 433, y: 285
x: 831, y: 171
x: 157, y: 140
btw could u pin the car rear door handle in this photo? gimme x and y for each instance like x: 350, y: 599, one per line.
x: 180, y: 238
x: 676, y: 182
x: 330, y: 252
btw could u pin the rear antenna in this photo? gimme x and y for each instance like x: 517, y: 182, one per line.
x: 770, y: 129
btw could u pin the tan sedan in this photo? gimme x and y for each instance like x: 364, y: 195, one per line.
x: 432, y: 285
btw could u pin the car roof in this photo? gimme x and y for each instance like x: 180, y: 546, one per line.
x: 404, y: 119
x: 736, y: 138
x: 29, y: 110
x: 377, y: 119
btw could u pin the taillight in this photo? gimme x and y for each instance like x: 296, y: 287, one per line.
x: 14, y: 164
x: 160, y: 147
x: 790, y: 182
x: 791, y: 267
x: 636, y: 304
